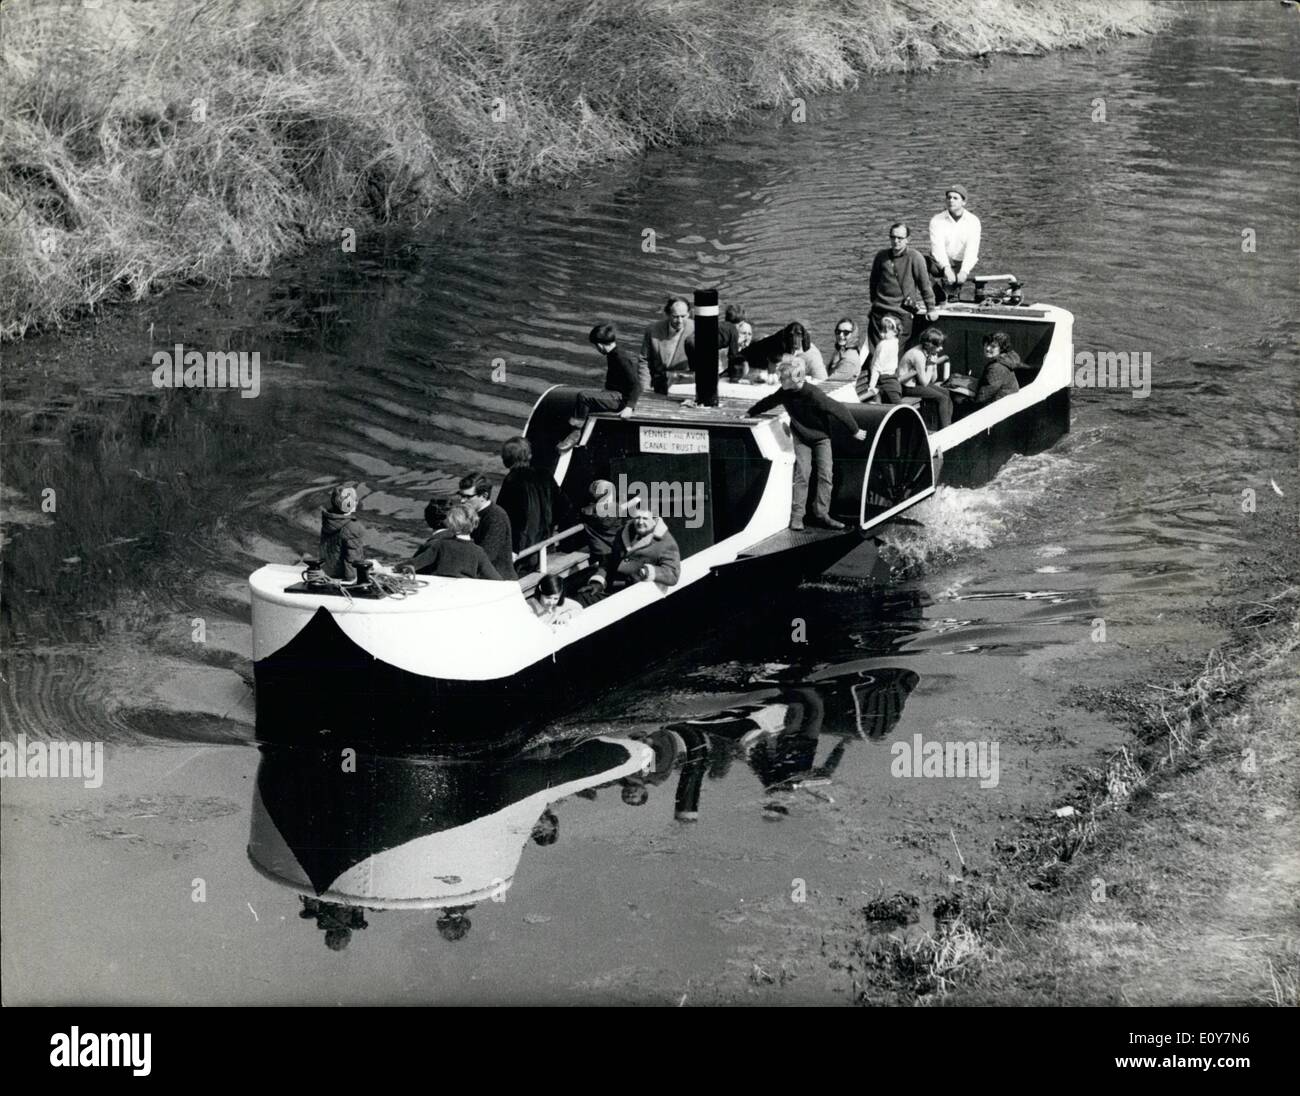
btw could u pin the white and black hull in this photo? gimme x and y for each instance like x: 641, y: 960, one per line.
x: 324, y: 683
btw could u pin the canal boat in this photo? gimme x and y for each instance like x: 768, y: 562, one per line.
x: 452, y: 659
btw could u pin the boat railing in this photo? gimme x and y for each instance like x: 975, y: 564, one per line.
x: 539, y: 549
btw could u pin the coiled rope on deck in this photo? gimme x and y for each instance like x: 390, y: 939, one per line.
x: 398, y: 586
x: 385, y: 585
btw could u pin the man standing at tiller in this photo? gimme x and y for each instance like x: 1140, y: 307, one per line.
x: 812, y: 415
x: 954, y: 245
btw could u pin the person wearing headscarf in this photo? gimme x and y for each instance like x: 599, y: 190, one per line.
x: 341, y: 536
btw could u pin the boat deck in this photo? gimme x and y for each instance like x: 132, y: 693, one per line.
x: 673, y: 409
x: 791, y: 538
x: 732, y: 405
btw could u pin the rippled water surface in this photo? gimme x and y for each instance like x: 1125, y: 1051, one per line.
x: 378, y: 367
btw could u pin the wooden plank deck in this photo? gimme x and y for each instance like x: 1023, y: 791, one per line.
x: 655, y: 408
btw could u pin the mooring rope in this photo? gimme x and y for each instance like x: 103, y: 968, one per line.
x: 394, y: 586
x: 398, y: 586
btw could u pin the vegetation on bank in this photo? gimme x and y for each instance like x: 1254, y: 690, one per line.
x: 1169, y: 884
x: 145, y: 143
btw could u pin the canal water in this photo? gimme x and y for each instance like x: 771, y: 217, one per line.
x: 1144, y: 188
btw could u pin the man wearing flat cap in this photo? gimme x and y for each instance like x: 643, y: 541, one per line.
x: 954, y: 244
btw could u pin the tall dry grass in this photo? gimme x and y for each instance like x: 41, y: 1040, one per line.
x: 149, y: 142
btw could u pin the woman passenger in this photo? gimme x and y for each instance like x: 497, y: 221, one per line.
x: 846, y: 362
x: 799, y: 343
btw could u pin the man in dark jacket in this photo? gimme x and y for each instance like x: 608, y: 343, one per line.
x: 603, y: 518
x: 341, y: 538
x: 644, y: 551
x: 812, y: 415
x: 899, y: 285
x: 1000, y: 370
x: 453, y: 554
x: 729, y: 336
x: 625, y: 380
x: 530, y: 499
x: 492, y: 533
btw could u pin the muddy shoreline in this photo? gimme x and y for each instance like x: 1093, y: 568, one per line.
x: 1090, y: 904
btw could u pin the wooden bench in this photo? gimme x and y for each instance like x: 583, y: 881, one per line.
x: 555, y: 563
x: 559, y: 564
x: 911, y: 401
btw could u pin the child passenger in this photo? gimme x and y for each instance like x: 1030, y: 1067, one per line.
x: 921, y: 371
x: 880, y: 376
x: 550, y: 605
x: 341, y: 536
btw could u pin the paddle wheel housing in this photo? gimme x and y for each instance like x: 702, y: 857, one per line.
x: 891, y: 471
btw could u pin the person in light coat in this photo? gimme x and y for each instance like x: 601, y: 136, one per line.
x: 663, y: 346
x: 644, y: 551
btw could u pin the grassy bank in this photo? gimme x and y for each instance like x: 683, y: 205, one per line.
x: 1173, y: 882
x: 149, y: 142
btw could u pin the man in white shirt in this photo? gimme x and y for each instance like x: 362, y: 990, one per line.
x: 954, y: 245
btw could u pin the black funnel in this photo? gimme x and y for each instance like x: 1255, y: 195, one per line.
x: 704, y: 356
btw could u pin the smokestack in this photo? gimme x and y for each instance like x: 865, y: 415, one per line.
x: 704, y: 359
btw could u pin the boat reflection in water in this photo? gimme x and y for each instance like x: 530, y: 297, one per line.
x: 353, y: 833
x: 778, y: 734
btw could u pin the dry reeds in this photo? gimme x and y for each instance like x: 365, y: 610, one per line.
x: 146, y: 144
